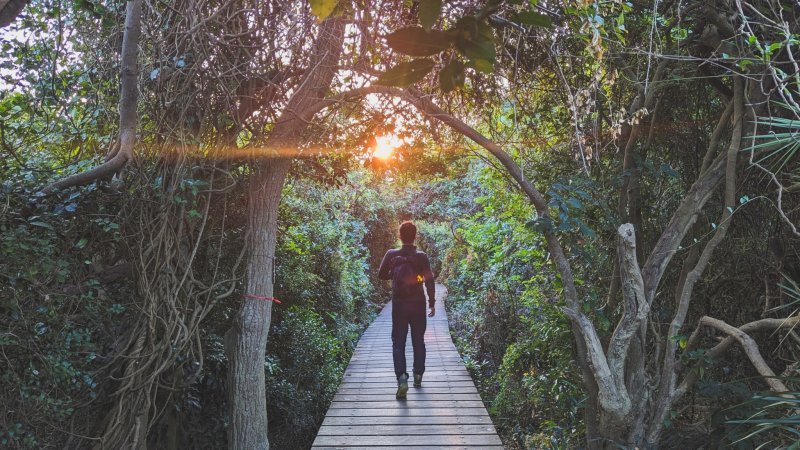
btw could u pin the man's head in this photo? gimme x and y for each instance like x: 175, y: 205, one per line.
x: 408, y: 232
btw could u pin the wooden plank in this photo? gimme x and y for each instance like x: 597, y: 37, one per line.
x: 393, y: 383
x: 418, y: 447
x: 388, y: 365
x: 386, y: 377
x: 372, y: 441
x: 455, y: 374
x: 417, y: 396
x: 391, y: 390
x: 402, y: 405
x: 406, y: 420
x: 405, y: 430
x: 377, y: 384
x: 388, y: 368
x: 429, y: 374
x: 410, y: 412
x: 391, y: 379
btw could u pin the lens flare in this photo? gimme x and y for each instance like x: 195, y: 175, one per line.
x: 385, y: 145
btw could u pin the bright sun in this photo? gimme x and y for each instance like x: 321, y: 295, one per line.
x: 385, y: 145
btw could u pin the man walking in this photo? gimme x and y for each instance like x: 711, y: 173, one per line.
x: 408, y: 269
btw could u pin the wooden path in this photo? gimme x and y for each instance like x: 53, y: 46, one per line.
x: 445, y: 413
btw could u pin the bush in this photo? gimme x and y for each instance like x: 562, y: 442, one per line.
x: 306, y: 361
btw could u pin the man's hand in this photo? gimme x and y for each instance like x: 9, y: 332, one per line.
x: 433, y: 312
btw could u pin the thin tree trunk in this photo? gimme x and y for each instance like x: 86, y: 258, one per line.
x: 628, y: 205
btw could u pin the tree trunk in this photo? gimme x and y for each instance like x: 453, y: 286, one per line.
x: 246, y: 342
x: 248, y: 428
x: 9, y: 10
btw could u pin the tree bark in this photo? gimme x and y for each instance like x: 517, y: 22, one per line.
x: 9, y: 10
x: 248, y: 428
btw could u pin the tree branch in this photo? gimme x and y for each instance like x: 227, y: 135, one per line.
x: 636, y: 306
x: 128, y: 101
x: 717, y: 351
x: 722, y: 125
x: 9, y: 10
x: 667, y: 385
x: 750, y: 348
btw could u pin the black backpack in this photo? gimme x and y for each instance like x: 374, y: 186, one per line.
x: 406, y: 277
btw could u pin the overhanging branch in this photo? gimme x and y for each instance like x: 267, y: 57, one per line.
x: 750, y: 348
x: 717, y: 351
x: 128, y: 100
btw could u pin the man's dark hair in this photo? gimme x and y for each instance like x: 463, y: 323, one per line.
x: 408, y: 232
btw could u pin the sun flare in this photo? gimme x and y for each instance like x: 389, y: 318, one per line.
x: 385, y: 145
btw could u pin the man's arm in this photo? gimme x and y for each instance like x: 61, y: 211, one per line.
x: 430, y: 285
x: 383, y: 272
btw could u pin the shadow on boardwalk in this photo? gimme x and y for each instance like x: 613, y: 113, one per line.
x: 445, y: 413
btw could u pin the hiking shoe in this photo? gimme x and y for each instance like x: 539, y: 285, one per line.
x: 417, y: 380
x: 402, y: 386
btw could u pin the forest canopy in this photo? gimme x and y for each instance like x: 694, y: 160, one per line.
x: 196, y: 196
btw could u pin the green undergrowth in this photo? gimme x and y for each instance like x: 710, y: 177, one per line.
x: 60, y: 323
x: 505, y: 319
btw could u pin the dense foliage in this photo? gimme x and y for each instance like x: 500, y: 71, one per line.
x: 530, y: 132
x: 63, y: 315
x: 504, y: 314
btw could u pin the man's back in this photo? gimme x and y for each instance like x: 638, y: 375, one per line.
x: 422, y: 265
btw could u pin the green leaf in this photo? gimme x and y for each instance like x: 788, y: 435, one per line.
x: 475, y: 40
x: 535, y: 19
x: 482, y: 65
x: 415, y: 41
x: 429, y: 11
x: 323, y: 8
x: 406, y: 74
x: 575, y: 203
x: 42, y: 225
x: 81, y: 243
x: 451, y: 76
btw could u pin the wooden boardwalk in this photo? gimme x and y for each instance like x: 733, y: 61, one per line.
x: 445, y: 413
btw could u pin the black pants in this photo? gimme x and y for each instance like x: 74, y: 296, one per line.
x: 405, y: 313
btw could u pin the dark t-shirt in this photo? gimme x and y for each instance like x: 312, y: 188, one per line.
x: 385, y: 271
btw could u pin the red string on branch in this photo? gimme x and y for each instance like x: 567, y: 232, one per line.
x: 258, y: 297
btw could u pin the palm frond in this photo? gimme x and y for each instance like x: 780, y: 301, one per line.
x: 780, y: 144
